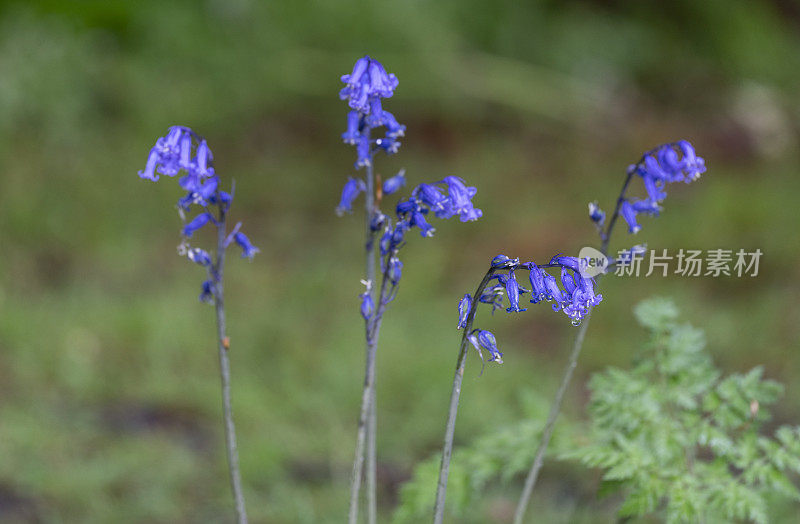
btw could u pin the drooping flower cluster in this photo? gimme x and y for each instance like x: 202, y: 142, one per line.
x: 364, y: 88
x: 668, y: 163
x: 575, y: 296
x: 181, y: 149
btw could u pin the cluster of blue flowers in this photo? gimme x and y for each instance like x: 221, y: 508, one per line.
x: 183, y: 150
x: 364, y: 88
x: 575, y: 297
x: 668, y: 163
x: 455, y: 199
x: 449, y: 197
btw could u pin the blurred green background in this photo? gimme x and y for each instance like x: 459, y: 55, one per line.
x: 110, y: 403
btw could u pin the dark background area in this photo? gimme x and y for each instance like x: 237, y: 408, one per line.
x: 109, y: 390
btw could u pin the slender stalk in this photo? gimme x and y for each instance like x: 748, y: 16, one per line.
x: 367, y: 425
x: 358, y: 462
x: 373, y: 331
x: 555, y: 409
x: 225, y: 375
x: 372, y: 467
x: 371, y: 473
x: 605, y: 236
x: 455, y: 395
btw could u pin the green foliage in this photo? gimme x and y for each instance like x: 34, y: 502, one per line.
x: 502, y: 455
x: 679, y: 441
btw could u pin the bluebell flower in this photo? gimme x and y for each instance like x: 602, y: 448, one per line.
x: 351, y: 189
x: 460, y: 199
x: 392, y: 184
x: 493, y: 295
x: 357, y: 90
x: 375, y: 114
x: 368, y: 80
x: 393, y: 128
x: 568, y: 281
x: 646, y: 206
x: 654, y: 189
x: 207, y: 293
x: 406, y: 206
x: 691, y: 163
x: 464, y: 306
x: 149, y: 171
x: 363, y: 151
x: 418, y: 220
x: 553, y: 293
x: 386, y: 240
x: 203, y: 159
x: 395, y: 270
x: 513, y: 292
x: 199, y: 256
x: 538, y: 287
x: 504, y: 261
x: 367, y: 305
x: 431, y: 196
x: 482, y: 339
x: 382, y: 83
x: 352, y: 135
x: 378, y: 221
x: 388, y: 144
x: 587, y: 287
x: 398, y: 235
x: 597, y: 215
x: 575, y: 308
x: 248, y: 249
x: 220, y: 197
x: 197, y: 222
x: 629, y: 214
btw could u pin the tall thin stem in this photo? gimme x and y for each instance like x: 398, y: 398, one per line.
x: 555, y: 409
x: 358, y: 462
x: 373, y: 331
x: 605, y: 236
x: 371, y: 473
x: 225, y: 374
x: 372, y: 427
x: 367, y: 425
x: 455, y: 395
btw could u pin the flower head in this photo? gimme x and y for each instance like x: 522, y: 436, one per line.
x: 368, y: 80
x: 364, y: 88
x: 182, y: 150
x: 666, y: 164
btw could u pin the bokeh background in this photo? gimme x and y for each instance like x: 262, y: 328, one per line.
x: 109, y: 390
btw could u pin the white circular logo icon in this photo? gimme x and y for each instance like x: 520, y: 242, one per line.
x: 591, y: 262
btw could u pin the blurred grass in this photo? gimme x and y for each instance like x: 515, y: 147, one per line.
x: 110, y: 404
